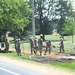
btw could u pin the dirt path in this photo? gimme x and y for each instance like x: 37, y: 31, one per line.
x: 34, y: 67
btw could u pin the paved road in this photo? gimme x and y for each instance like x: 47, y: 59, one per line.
x: 7, y: 69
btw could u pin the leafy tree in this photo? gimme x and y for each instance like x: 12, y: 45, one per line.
x: 13, y: 15
x: 43, y: 11
x: 63, y: 11
x: 69, y: 28
x: 48, y: 26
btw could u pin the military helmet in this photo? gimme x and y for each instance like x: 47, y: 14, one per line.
x: 41, y: 34
x: 49, y: 40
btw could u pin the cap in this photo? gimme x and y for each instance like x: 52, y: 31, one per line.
x: 41, y: 35
x: 49, y: 40
x: 30, y: 39
x: 18, y: 39
x: 35, y: 37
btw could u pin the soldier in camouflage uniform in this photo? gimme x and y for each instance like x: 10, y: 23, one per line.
x: 18, y: 50
x: 31, y: 45
x: 48, y: 47
x: 61, y: 45
x: 17, y: 45
x: 6, y: 44
x: 2, y: 41
x: 40, y: 44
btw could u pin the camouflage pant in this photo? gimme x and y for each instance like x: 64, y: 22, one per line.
x: 6, y: 47
x: 18, y: 50
x: 40, y: 49
x: 61, y: 48
x: 47, y: 48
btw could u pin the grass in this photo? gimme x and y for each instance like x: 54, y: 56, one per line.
x: 69, y: 48
x: 69, y: 66
x: 14, y: 55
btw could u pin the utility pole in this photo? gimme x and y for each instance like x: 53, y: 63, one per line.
x: 33, y: 21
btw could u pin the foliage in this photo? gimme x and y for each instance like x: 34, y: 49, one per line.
x: 69, y: 27
x: 63, y: 10
x: 13, y: 15
x: 48, y: 26
x: 43, y: 14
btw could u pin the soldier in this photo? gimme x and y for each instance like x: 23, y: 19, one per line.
x: 31, y: 45
x: 2, y: 41
x: 40, y: 44
x: 6, y: 44
x: 18, y: 50
x: 35, y: 45
x: 48, y: 47
x: 61, y: 45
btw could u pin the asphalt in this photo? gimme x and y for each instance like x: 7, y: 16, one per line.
x: 8, y: 69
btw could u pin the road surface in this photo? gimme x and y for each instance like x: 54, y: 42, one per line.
x: 19, y: 67
x: 8, y: 69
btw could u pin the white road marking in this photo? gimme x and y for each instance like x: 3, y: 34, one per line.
x: 9, y: 71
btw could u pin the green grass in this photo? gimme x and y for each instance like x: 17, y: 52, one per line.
x: 14, y: 55
x: 68, y: 66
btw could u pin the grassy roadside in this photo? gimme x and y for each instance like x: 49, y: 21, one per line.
x: 66, y: 66
x: 55, y: 41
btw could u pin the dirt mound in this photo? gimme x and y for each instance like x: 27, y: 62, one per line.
x: 51, y: 58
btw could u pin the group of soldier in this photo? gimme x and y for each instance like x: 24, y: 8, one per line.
x: 38, y: 45
x: 35, y: 45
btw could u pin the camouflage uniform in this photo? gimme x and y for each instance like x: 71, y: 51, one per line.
x: 40, y: 45
x: 48, y: 47
x: 61, y: 45
x: 18, y: 50
x: 6, y: 45
x: 2, y: 41
x: 31, y: 45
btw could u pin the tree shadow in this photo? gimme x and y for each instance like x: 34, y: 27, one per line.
x: 2, y: 51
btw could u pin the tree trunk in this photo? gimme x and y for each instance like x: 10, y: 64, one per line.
x: 72, y: 39
x: 41, y: 21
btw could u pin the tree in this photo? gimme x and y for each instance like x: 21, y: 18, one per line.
x: 44, y: 16
x: 13, y: 15
x: 69, y: 28
x: 48, y: 26
x: 42, y: 11
x: 45, y: 10
x: 63, y: 10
